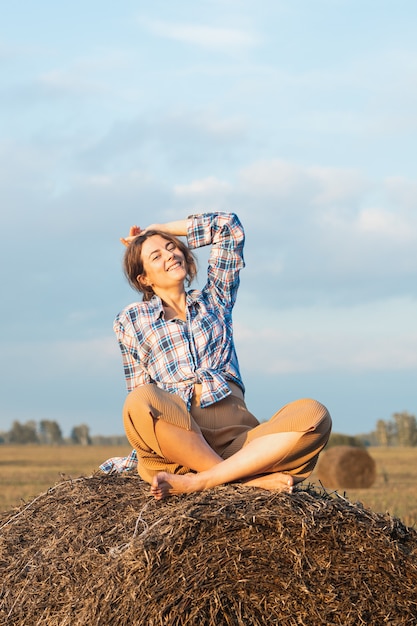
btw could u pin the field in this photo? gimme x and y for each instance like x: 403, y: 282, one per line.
x: 27, y: 471
x: 395, y: 488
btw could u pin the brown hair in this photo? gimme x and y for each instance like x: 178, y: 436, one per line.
x: 133, y: 264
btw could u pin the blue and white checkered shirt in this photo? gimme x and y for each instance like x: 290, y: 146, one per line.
x: 176, y: 354
x: 119, y: 464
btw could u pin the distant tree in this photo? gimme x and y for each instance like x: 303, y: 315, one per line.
x: 406, y: 427
x: 81, y: 435
x: 382, y: 433
x: 23, y: 433
x: 401, y: 430
x: 50, y: 432
x: 338, y: 439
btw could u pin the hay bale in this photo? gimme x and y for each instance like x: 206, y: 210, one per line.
x: 346, y: 467
x: 99, y: 551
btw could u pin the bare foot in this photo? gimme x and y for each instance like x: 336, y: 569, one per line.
x: 165, y: 484
x: 276, y: 481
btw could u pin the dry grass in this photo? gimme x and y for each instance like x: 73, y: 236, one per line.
x: 100, y: 551
x: 26, y: 471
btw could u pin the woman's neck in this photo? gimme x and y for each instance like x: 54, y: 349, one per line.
x: 174, y: 304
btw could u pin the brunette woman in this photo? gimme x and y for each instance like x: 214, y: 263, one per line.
x: 185, y: 413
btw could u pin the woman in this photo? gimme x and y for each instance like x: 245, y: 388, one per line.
x: 185, y: 413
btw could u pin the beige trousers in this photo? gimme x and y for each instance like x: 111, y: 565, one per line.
x: 227, y: 426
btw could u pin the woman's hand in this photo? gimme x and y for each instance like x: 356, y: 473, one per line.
x: 136, y: 230
x: 133, y: 233
x: 177, y: 228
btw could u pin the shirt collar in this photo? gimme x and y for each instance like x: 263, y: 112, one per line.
x: 156, y: 309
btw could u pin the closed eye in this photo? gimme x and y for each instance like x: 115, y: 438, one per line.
x: 155, y: 255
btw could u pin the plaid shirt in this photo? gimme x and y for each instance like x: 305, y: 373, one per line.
x: 177, y: 354
x: 119, y: 464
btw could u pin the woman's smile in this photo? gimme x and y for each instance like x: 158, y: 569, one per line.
x: 174, y: 266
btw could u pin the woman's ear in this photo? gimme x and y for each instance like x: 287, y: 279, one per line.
x: 142, y: 280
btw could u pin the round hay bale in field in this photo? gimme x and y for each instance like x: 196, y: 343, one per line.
x: 100, y: 551
x: 346, y: 467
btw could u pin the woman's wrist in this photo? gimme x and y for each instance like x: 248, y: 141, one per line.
x: 178, y: 228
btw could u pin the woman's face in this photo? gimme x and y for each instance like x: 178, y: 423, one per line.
x: 163, y: 263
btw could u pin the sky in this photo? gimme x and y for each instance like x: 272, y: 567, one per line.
x: 298, y: 115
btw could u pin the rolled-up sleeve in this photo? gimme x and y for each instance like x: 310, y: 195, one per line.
x: 225, y: 234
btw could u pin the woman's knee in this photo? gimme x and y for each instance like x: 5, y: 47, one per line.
x: 322, y: 427
x: 140, y: 399
x: 326, y: 421
x: 320, y: 416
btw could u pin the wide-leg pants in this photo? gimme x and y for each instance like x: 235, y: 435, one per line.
x: 227, y: 426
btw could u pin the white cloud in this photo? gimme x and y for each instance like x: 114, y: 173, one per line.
x: 100, y: 180
x: 63, y: 358
x: 317, y: 233
x: 200, y: 123
x: 211, y: 37
x: 312, y: 232
x: 201, y: 195
x: 373, y: 337
x: 323, y: 185
x: 389, y: 225
x: 402, y: 192
x: 73, y: 83
x: 338, y: 186
x: 87, y: 75
x: 340, y: 199
x: 274, y: 176
x: 206, y: 186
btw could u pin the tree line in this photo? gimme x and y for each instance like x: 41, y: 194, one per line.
x: 400, y: 430
x: 48, y: 432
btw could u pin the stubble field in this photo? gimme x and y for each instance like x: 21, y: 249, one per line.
x: 27, y: 471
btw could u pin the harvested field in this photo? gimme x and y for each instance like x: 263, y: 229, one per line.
x: 100, y: 551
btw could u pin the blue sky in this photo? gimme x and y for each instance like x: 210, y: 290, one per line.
x: 300, y: 116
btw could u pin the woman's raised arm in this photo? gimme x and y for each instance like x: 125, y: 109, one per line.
x: 177, y: 228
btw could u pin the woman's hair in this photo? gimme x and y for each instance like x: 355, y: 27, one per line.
x: 133, y: 264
